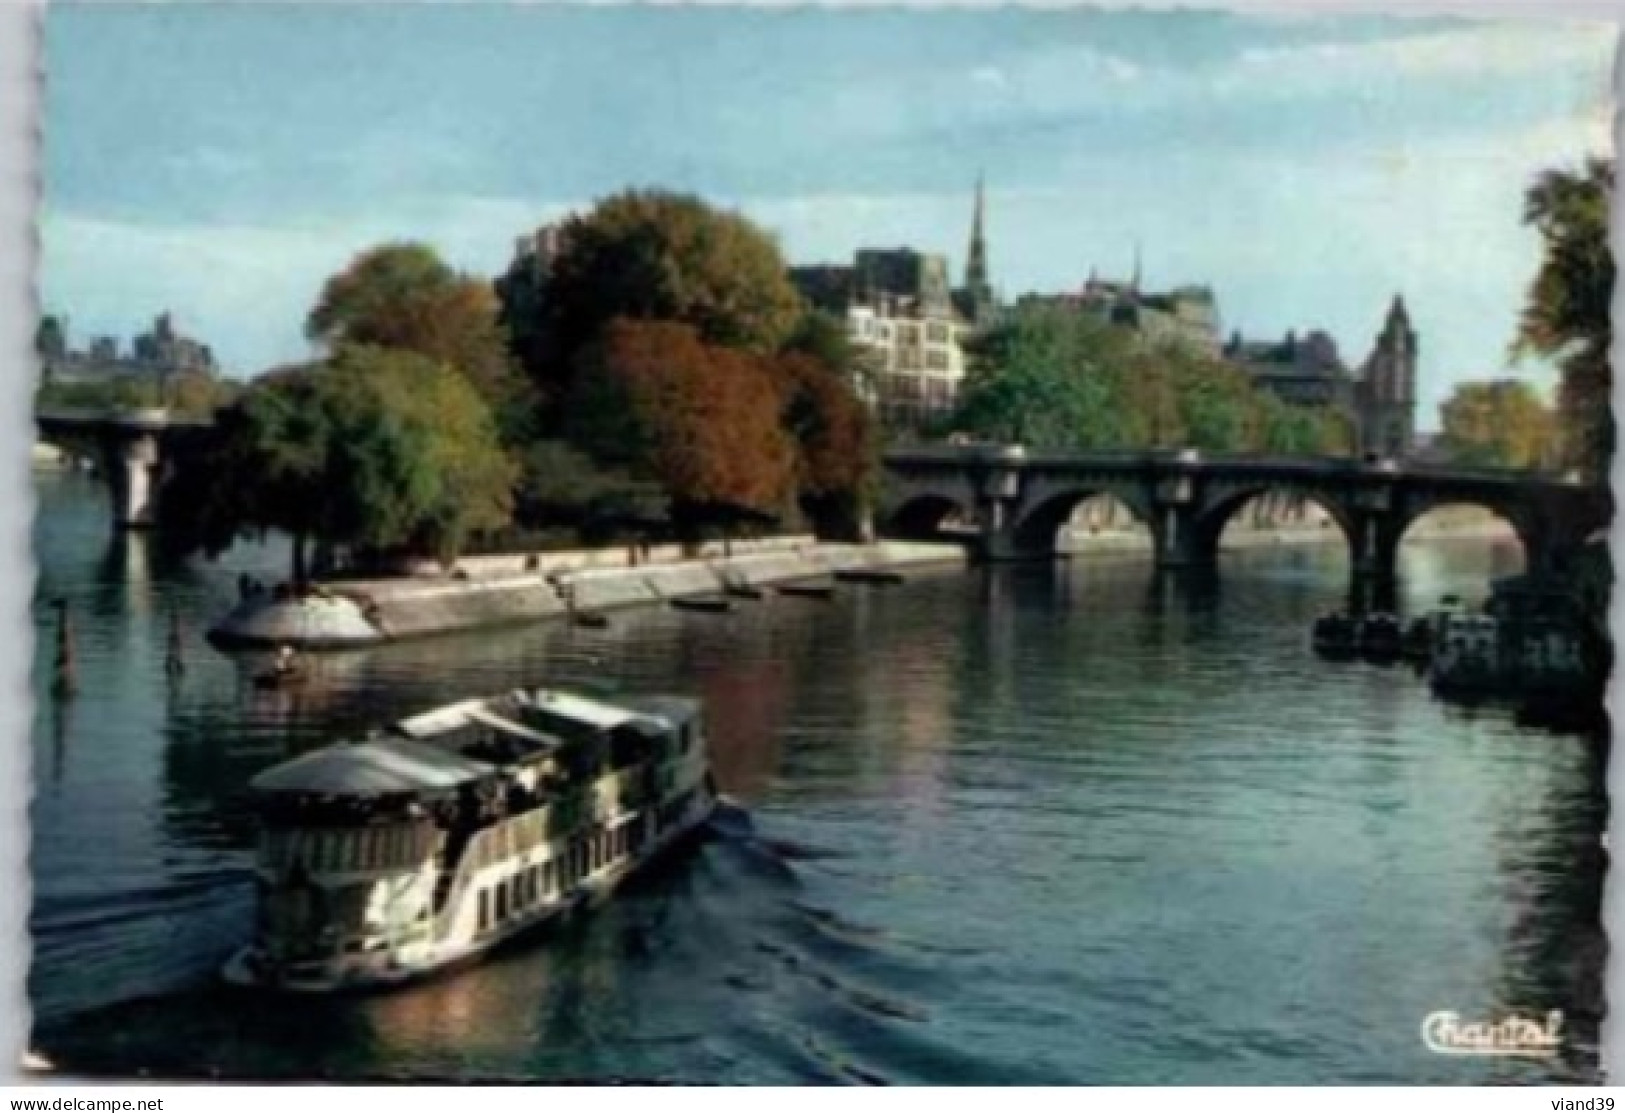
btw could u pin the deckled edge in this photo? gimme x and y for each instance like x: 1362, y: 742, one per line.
x: 21, y: 66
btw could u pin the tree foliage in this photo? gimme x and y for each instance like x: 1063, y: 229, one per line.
x: 1566, y: 311
x: 1048, y: 379
x: 649, y: 256
x: 403, y: 296
x: 1497, y: 424
x: 185, y: 394
x: 655, y: 400
x: 374, y: 449
x: 1054, y: 379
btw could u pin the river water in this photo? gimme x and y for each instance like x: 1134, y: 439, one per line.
x: 1041, y: 825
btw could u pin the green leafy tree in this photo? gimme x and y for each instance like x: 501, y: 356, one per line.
x: 1048, y: 379
x: 374, y: 449
x: 1497, y: 424
x: 1053, y: 378
x: 1566, y: 311
x: 403, y: 296
x: 650, y: 256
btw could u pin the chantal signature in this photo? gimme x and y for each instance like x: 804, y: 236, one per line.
x: 1446, y: 1033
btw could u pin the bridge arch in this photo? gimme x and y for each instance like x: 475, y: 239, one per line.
x: 921, y: 515
x: 1223, y: 505
x: 1527, y: 531
x: 1038, y: 526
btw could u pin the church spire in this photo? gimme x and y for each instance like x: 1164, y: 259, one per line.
x: 976, y: 263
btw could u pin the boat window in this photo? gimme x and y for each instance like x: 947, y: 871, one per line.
x: 502, y: 902
x: 485, y: 909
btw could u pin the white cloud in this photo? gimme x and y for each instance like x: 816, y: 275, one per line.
x: 989, y: 75
x: 1508, y: 49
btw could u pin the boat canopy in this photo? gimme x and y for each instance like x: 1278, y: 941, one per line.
x: 375, y: 768
x: 467, y: 742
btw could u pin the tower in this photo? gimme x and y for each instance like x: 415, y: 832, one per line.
x: 978, y: 292
x: 1388, y: 387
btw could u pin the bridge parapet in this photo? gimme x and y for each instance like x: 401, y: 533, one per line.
x: 1185, y: 497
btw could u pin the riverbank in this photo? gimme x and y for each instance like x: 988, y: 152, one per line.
x: 526, y: 587
x: 580, y: 584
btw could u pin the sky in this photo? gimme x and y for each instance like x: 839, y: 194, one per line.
x: 220, y: 161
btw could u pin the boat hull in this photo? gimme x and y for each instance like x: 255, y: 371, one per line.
x: 245, y: 971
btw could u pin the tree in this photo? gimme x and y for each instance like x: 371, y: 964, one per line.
x: 650, y: 256
x: 1047, y: 378
x: 825, y: 338
x: 653, y: 399
x: 374, y: 449
x: 1054, y: 378
x: 1497, y: 424
x: 836, y: 467
x: 403, y: 296
x: 1566, y: 311
x: 561, y: 485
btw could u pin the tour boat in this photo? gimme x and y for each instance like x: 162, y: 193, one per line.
x: 426, y: 844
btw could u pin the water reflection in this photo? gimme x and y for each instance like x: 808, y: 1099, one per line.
x: 1071, y: 823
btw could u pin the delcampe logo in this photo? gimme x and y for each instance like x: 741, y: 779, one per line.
x: 1446, y: 1033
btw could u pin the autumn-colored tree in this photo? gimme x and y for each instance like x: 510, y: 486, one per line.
x: 375, y: 449
x: 1497, y: 424
x: 837, y: 466
x: 703, y: 420
x: 403, y: 296
x: 1566, y: 312
x: 650, y: 256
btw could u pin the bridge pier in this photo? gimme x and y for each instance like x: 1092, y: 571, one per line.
x: 133, y: 449
x: 1174, y: 530
x: 131, y: 467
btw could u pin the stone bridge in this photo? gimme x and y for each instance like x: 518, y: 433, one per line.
x: 1019, y: 500
x: 132, y: 449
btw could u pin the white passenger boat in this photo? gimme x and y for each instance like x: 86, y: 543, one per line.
x: 425, y: 845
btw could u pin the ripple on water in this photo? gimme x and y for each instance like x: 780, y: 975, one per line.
x: 1044, y: 826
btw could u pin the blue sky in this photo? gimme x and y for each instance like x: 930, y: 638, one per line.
x: 221, y: 161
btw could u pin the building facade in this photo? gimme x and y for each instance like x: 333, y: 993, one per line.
x: 1379, y: 400
x: 901, y: 308
x: 1385, y: 398
x: 1186, y: 314
x: 154, y: 356
x: 1306, y: 371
